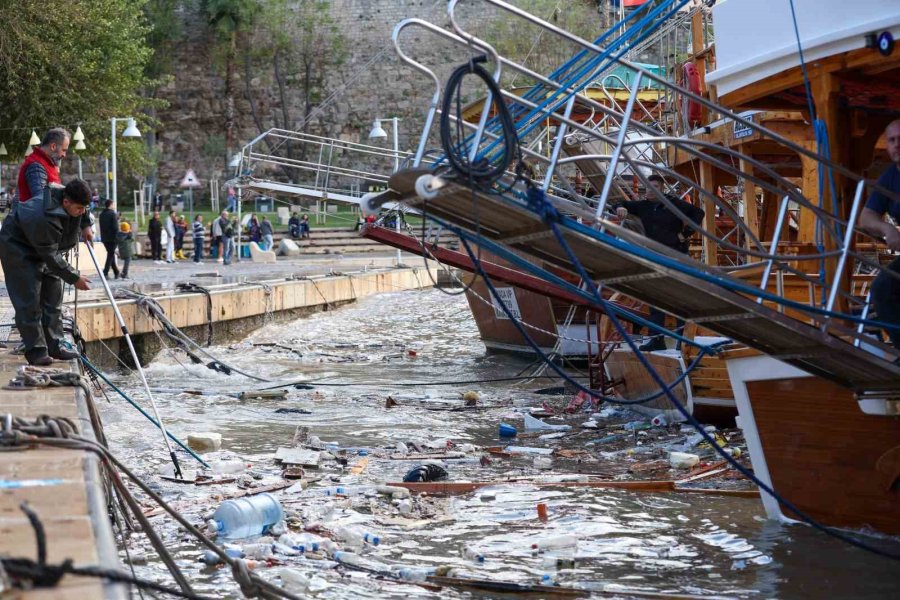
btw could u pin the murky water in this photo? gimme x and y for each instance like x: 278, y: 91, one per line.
x: 663, y: 543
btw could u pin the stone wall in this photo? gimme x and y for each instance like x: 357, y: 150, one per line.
x: 384, y: 88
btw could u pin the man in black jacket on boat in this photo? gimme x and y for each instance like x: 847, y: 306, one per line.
x: 663, y: 226
x: 32, y: 241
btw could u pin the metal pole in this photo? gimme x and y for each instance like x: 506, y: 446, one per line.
x: 114, y: 195
x: 80, y: 176
x: 106, y: 175
x: 614, y: 161
x: 848, y: 239
x: 773, y: 250
x: 238, y: 232
x: 134, y: 356
x: 394, y: 121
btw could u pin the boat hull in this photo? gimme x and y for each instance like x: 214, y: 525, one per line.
x: 811, y: 441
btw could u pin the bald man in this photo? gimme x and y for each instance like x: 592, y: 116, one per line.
x: 886, y: 288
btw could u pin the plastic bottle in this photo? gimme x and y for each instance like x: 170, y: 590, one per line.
x: 559, y: 541
x: 472, y: 554
x: 259, y: 551
x: 548, y: 579
x: 405, y: 506
x: 559, y: 562
x: 294, y: 581
x: 303, y: 542
x: 415, y: 573
x: 659, y: 421
x: 356, y: 538
x: 247, y: 517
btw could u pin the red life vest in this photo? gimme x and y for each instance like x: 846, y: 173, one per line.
x: 38, y: 156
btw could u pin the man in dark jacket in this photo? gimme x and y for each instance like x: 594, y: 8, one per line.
x: 663, y: 226
x: 32, y: 241
x: 109, y: 228
x: 154, y: 232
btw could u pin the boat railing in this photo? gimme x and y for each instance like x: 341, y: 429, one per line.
x: 831, y: 302
x: 316, y: 166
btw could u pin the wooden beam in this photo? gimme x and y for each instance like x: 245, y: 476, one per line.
x: 760, y: 93
x: 751, y: 213
x: 708, y: 183
x: 699, y: 57
x: 809, y: 187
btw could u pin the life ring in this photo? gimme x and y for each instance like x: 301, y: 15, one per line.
x: 693, y: 111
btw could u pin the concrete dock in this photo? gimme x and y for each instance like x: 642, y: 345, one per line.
x: 64, y: 487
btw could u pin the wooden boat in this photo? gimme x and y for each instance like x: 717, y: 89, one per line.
x: 833, y: 451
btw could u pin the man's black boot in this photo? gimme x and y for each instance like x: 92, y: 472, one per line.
x: 60, y: 353
x: 38, y: 357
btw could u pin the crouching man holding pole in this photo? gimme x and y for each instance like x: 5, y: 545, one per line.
x: 32, y: 241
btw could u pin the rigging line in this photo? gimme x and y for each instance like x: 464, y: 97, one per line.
x: 551, y: 218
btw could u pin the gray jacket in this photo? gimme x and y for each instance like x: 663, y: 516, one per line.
x: 40, y: 230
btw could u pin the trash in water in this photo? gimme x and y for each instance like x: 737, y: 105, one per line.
x: 426, y: 472
x: 507, y: 430
x: 247, y: 517
x: 543, y: 462
x: 683, y: 460
x: 204, y: 441
x: 296, y: 411
x: 533, y: 424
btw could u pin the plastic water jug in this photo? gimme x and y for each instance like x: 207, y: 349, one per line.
x: 247, y: 517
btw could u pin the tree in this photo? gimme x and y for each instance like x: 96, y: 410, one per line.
x: 297, y: 45
x: 76, y: 62
x: 231, y: 20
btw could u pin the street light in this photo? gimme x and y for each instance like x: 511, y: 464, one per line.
x: 3, y: 153
x: 130, y: 131
x: 378, y: 133
x: 33, y: 141
x: 78, y: 138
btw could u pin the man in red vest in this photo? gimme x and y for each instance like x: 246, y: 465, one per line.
x: 41, y: 167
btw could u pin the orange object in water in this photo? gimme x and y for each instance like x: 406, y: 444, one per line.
x: 542, y: 511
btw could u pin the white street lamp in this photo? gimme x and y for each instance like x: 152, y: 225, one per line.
x: 379, y: 133
x: 130, y: 131
x: 78, y: 138
x: 3, y: 153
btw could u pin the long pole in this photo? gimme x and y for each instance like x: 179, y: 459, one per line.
x: 114, y: 195
x: 134, y: 356
x: 395, y: 121
x: 106, y: 174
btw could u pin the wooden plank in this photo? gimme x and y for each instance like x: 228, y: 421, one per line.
x: 708, y: 183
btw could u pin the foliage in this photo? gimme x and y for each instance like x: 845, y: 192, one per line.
x: 65, y: 63
x: 165, y: 30
x: 540, y: 50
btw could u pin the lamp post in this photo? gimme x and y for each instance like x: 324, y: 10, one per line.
x: 3, y: 153
x: 379, y: 133
x: 130, y: 131
x: 78, y: 138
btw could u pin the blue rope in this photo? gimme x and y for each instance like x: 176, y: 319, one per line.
x: 684, y: 412
x: 820, y: 129
x: 100, y: 374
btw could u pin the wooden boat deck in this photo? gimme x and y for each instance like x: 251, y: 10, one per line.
x: 685, y: 295
x: 70, y: 503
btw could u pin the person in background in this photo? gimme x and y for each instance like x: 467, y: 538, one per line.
x: 33, y: 239
x: 170, y: 237
x: 663, y: 226
x: 180, y: 231
x: 215, y: 232
x: 125, y: 243
x: 232, y: 200
x: 267, y: 233
x: 157, y: 201
x: 304, y: 226
x: 109, y: 227
x: 154, y: 232
x: 294, y: 226
x: 198, y: 233
x: 228, y: 232
x: 253, y: 232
